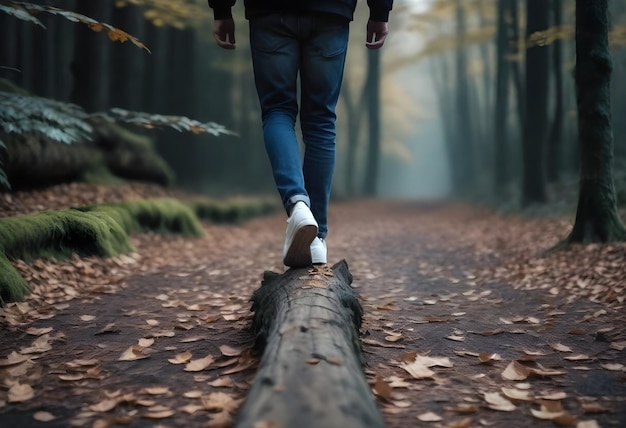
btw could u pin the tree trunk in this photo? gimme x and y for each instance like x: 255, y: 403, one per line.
x: 535, y: 127
x: 90, y: 66
x: 502, y: 176
x: 63, y: 48
x: 9, y: 47
x: 311, y: 375
x: 128, y: 60
x: 463, y: 111
x: 354, y: 116
x: 518, y: 78
x: 597, y: 219
x: 373, y: 104
x: 555, y: 140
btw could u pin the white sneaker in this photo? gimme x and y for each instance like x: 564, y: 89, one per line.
x: 318, y: 251
x: 301, y: 230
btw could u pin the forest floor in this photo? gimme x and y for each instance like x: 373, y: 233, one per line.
x: 519, y: 337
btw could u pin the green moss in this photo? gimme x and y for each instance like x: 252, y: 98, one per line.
x: 12, y: 286
x: 102, y: 230
x: 232, y: 211
x: 159, y: 215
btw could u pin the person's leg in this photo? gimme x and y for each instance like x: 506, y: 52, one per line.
x: 275, y: 50
x: 321, y: 74
x: 276, y: 59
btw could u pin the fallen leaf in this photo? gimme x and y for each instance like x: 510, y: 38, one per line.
x: 191, y: 408
x: 145, y: 343
x: 394, y: 338
x: 224, y: 381
x: 72, y: 376
x: 614, y: 367
x: 462, y: 408
x: 429, y: 417
x: 38, y: 331
x: 498, y: 402
x: 560, y: 347
x: 229, y: 351
x: 181, y: 358
x: 20, y: 392
x: 489, y: 358
x: 456, y: 338
x: 220, y: 401
x: 553, y: 396
x: 594, y: 408
x: 87, y: 317
x: 619, y: 346
x: 200, y: 364
x: 382, y: 389
x: 133, y: 353
x: 546, y: 414
x: 587, y: 424
x: 516, y: 394
x: 152, y: 323
x: 44, y: 416
x: 13, y: 359
x: 578, y: 357
x: 104, y: 405
x: 515, y: 371
x: 156, y: 390
x: 158, y: 415
x: 373, y: 342
x: 221, y: 420
x: 193, y: 394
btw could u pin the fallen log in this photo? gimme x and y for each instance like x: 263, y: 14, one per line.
x: 311, y: 373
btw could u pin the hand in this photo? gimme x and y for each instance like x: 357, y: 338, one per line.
x: 224, y: 33
x: 376, y: 34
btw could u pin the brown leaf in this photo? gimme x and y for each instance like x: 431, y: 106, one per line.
x: 159, y: 415
x: 181, y: 358
x: 560, y: 347
x: 72, y: 376
x: 221, y: 402
x: 498, y: 402
x: 156, y: 390
x: 229, y: 351
x: 463, y: 408
x: 191, y: 408
x: 382, y: 389
x: 38, y: 331
x: 200, y: 364
x: 515, y: 371
x: 105, y: 405
x: 221, y: 420
x: 13, y: 359
x: 516, y: 394
x: 488, y: 357
x: 87, y: 318
x: 20, y: 392
x: 193, y: 394
x: 429, y: 417
x: 145, y: 343
x: 44, y: 416
x: 133, y: 353
x: 224, y: 381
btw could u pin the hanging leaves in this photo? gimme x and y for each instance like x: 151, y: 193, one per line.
x: 24, y: 11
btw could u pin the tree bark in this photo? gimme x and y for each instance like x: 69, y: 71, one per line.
x: 465, y: 131
x: 555, y: 140
x: 535, y: 126
x: 502, y: 176
x: 90, y: 66
x: 311, y: 373
x: 597, y: 219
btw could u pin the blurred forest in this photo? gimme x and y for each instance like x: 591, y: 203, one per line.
x: 469, y: 98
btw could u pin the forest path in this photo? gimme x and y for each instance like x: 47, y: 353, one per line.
x: 440, y: 279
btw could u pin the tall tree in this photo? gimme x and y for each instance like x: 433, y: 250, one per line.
x: 464, y: 127
x: 555, y: 139
x: 536, y: 117
x: 90, y: 66
x: 503, y: 82
x: 597, y: 219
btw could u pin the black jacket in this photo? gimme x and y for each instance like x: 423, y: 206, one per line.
x: 379, y: 9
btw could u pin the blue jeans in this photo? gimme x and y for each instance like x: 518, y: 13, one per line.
x: 313, y: 45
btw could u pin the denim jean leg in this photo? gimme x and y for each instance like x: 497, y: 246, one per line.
x: 321, y: 72
x: 276, y: 59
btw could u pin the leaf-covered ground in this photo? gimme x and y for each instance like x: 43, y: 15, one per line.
x: 468, y: 322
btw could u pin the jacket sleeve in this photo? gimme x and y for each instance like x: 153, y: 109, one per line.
x: 222, y: 8
x: 379, y: 9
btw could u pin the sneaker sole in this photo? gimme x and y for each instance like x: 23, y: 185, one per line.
x: 299, y: 252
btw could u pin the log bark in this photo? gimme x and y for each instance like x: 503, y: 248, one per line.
x: 311, y: 371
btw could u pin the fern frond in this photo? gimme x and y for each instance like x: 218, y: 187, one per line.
x: 158, y: 121
x: 59, y: 121
x: 22, y: 10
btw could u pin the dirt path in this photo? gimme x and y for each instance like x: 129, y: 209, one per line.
x: 422, y: 272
